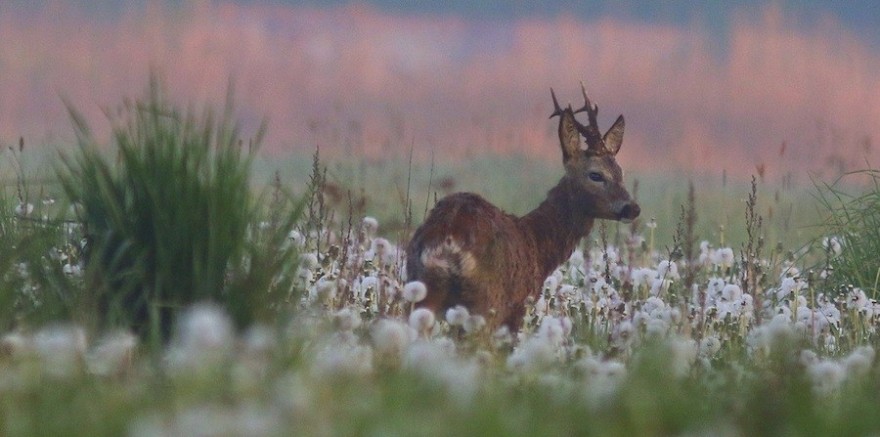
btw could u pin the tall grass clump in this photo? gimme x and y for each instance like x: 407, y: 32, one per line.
x: 853, y: 224
x: 173, y: 221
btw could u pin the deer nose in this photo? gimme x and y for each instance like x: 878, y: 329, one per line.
x: 630, y: 211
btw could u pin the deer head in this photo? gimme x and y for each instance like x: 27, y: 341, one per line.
x: 594, y: 170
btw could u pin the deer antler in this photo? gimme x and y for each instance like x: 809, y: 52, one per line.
x: 591, y: 131
x: 557, y: 110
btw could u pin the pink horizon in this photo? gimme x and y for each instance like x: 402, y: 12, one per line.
x: 357, y: 80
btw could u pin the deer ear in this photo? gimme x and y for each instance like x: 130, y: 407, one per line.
x: 614, y: 137
x: 569, y: 137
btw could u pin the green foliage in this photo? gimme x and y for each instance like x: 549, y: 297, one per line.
x: 173, y: 221
x: 854, y: 220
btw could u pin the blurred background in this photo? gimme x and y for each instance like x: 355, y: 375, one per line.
x: 787, y: 88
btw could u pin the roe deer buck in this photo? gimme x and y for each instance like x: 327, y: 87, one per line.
x: 469, y: 252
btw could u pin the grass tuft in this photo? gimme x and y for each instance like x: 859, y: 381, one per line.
x: 173, y: 221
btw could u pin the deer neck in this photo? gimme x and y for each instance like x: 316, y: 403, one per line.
x: 557, y: 225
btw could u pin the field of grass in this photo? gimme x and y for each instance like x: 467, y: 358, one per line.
x: 175, y: 284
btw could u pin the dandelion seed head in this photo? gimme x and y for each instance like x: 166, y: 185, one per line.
x: 474, y: 323
x: 415, y: 291
x: 347, y: 319
x: 325, y: 289
x: 391, y: 337
x: 684, y: 355
x: 422, y: 320
x: 827, y: 377
x: 709, y: 346
x: 656, y: 327
x: 532, y: 355
x: 551, y: 330
x: 61, y: 349
x: 370, y: 226
x: 309, y: 261
x: 204, y: 339
x: 724, y: 257
x: 457, y: 315
x: 24, y: 209
x: 667, y: 269
x: 576, y: 259
x: 344, y: 359
x: 731, y: 292
x: 113, y: 355
x: 859, y: 362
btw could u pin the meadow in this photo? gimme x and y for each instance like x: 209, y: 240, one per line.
x: 176, y: 282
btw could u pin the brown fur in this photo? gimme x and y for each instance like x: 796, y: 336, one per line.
x: 469, y: 252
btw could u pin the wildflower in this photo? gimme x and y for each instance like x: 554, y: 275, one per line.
x: 656, y: 327
x: 457, y: 315
x: 576, y: 259
x: 602, y: 379
x: 827, y: 376
x: 502, y: 338
x: 724, y: 257
x: 856, y: 298
x: 381, y: 251
x: 345, y: 359
x: 541, y: 306
x: 859, y: 362
x: 709, y: 346
x: 474, y: 323
x: 72, y: 269
x: 204, y: 339
x: 684, y: 354
x: 731, y: 292
x: 309, y: 261
x: 113, y: 355
x: 415, y: 291
x: 532, y: 355
x: 391, y: 337
x: 667, y: 270
x: 551, y: 330
x: 347, y: 320
x: 296, y: 238
x: 422, y: 320
x: 432, y: 360
x: 370, y: 226
x: 24, y: 209
x: 61, y: 349
x: 325, y: 289
x: 643, y: 277
x: 832, y: 245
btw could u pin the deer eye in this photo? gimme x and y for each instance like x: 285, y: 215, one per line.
x: 596, y: 177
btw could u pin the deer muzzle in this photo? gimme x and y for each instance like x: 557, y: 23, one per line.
x: 629, y: 211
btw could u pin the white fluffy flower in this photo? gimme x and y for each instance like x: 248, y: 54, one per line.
x: 474, y: 323
x: 457, y: 315
x: 370, y: 226
x: 415, y: 291
x: 204, y: 339
x: 391, y: 337
x: 347, y: 320
x: 61, y: 349
x: 422, y: 320
x: 113, y: 355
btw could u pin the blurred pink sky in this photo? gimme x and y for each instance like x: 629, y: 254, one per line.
x: 355, y: 79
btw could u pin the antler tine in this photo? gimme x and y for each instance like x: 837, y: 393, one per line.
x: 557, y: 110
x: 590, y: 108
x: 591, y: 130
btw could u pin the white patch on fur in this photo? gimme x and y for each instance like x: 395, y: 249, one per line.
x: 449, y: 256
